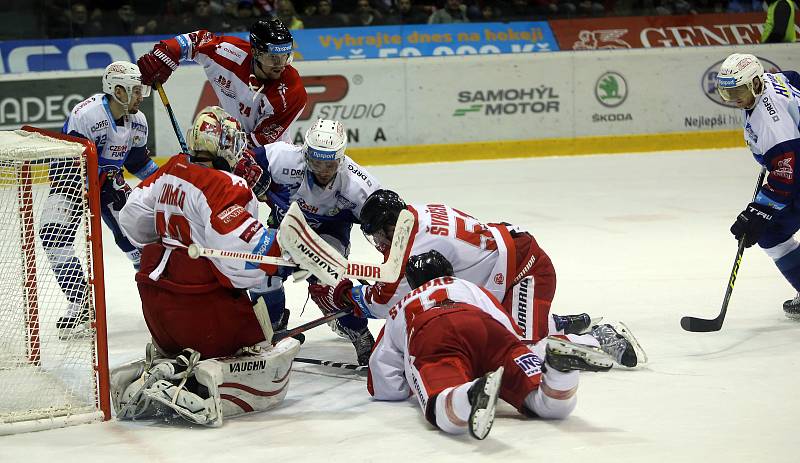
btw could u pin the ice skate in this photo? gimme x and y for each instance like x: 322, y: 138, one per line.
x: 362, y: 341
x: 574, y: 324
x: 618, y: 342
x: 483, y: 398
x: 564, y: 356
x: 75, y: 322
x: 791, y: 308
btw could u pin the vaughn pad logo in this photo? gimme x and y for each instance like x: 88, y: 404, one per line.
x: 611, y: 89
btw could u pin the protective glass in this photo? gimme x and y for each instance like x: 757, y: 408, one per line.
x: 141, y: 90
x: 381, y: 239
x: 323, y: 168
x: 735, y: 93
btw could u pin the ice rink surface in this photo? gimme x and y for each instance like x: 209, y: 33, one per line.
x: 641, y: 238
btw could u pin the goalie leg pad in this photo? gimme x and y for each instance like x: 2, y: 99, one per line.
x: 250, y: 383
x: 186, y: 404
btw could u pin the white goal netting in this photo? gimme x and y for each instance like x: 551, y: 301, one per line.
x: 49, y: 335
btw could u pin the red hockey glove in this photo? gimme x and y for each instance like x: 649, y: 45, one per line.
x: 157, y: 65
x: 331, y: 299
x: 322, y: 295
x: 248, y: 169
x: 343, y: 297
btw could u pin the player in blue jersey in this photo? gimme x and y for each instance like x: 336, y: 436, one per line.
x: 112, y: 120
x: 330, y: 189
x: 771, y: 106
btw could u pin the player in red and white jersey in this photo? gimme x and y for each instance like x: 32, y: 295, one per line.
x: 254, y: 81
x: 452, y: 342
x: 200, y: 308
x: 502, y: 258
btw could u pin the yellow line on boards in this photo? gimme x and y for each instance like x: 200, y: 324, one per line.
x: 506, y: 149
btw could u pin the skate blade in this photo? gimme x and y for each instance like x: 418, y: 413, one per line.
x: 641, y: 355
x: 592, y: 356
x: 482, y: 419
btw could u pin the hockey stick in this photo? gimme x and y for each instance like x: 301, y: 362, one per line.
x: 702, y: 325
x: 172, y: 118
x: 329, y: 363
x: 283, y: 334
x: 388, y: 272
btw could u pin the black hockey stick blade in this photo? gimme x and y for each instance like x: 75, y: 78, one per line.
x: 701, y: 325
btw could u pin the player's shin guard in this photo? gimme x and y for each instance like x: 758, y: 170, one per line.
x: 451, y: 409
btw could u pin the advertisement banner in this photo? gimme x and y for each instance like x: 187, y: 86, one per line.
x: 311, y: 44
x: 45, y: 101
x: 659, y: 31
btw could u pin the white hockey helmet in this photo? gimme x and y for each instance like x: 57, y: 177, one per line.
x: 739, y: 75
x: 326, y: 140
x: 127, y: 76
x: 216, y: 132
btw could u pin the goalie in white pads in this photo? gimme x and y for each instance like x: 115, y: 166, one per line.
x: 451, y: 344
x: 330, y: 189
x: 200, y: 308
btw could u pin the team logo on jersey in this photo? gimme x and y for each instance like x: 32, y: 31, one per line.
x: 611, y: 89
x: 117, y: 151
x: 231, y: 213
x: 225, y: 86
x: 231, y: 52
x: 708, y: 81
x: 770, y: 108
x: 282, y: 92
x: 529, y: 363
x: 498, y: 279
x: 784, y: 168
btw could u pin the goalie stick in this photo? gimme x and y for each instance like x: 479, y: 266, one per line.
x: 298, y: 239
x: 332, y: 364
x: 283, y: 334
x: 702, y: 325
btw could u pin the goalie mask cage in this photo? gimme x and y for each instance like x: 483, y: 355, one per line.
x: 49, y: 378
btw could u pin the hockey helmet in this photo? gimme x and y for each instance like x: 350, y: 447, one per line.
x: 740, y: 76
x: 381, y: 208
x: 424, y: 267
x: 216, y: 132
x: 127, y: 76
x: 271, y: 42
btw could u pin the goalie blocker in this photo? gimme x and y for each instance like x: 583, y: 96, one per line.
x: 310, y: 252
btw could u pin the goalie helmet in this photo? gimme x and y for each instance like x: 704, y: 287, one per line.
x: 424, y: 267
x: 127, y: 76
x: 741, y: 75
x: 380, y: 209
x: 215, y: 132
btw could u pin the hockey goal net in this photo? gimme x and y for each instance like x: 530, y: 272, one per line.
x: 51, y: 267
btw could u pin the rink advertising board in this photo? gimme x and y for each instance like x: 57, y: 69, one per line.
x: 19, y: 56
x: 659, y: 31
x: 45, y: 100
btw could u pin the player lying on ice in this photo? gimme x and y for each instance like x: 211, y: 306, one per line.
x: 454, y: 342
x: 502, y: 258
x: 199, y: 309
x: 330, y: 189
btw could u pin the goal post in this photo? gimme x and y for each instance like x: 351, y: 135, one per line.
x: 50, y: 218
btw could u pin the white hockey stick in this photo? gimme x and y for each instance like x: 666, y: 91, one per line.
x: 303, y: 241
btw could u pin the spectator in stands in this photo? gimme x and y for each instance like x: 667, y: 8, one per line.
x: 239, y: 18
x: 405, y: 12
x: 365, y: 15
x: 124, y: 22
x: 594, y: 8
x: 200, y: 17
x: 454, y: 11
x: 519, y: 10
x: 324, y: 17
x: 779, y: 26
x: 743, y: 6
x: 288, y: 15
x: 76, y: 22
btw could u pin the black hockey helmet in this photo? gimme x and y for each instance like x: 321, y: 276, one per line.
x: 270, y: 36
x: 381, y: 208
x: 424, y: 267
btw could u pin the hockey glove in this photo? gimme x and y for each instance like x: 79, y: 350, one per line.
x: 247, y: 168
x: 157, y: 65
x: 330, y: 299
x: 752, y: 222
x: 115, y: 191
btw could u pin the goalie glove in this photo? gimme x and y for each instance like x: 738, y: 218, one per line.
x: 157, y: 65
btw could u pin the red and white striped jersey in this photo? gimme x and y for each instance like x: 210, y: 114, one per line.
x: 184, y: 203
x: 265, y: 109
x: 387, y: 373
x: 478, y: 252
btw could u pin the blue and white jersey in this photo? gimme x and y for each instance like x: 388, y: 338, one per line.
x: 117, y: 145
x: 772, y: 132
x: 330, y: 210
